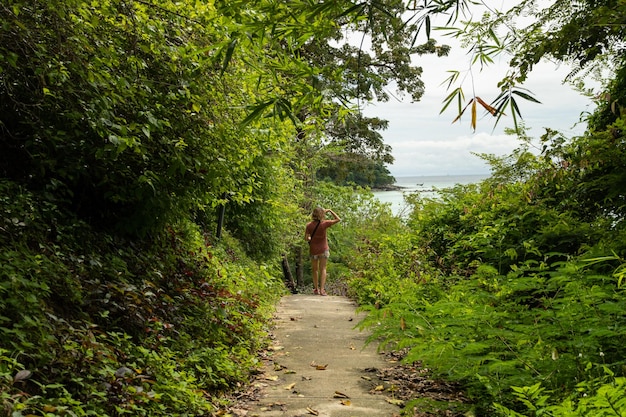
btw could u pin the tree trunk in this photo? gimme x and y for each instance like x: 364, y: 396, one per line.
x: 287, y: 276
x: 299, y: 267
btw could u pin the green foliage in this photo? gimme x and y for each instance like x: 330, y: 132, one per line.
x: 264, y: 221
x: 126, y: 125
x: 597, y: 396
x: 96, y: 324
x: 353, y: 169
x: 133, y: 124
x: 518, y: 283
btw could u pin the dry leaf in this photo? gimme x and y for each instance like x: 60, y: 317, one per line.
x: 239, y: 412
x: 473, y: 121
x: 367, y: 378
x: 290, y: 386
x: 379, y: 388
x: 318, y: 367
x: 340, y: 395
x: 394, y: 401
x: 271, y: 377
x: 346, y: 402
x: 312, y: 411
x: 487, y: 107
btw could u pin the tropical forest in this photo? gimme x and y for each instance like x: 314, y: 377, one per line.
x: 160, y: 158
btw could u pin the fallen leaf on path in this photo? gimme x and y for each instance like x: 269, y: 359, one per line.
x: 318, y: 367
x: 276, y: 404
x: 339, y: 394
x: 367, y: 378
x: 306, y: 378
x: 312, y: 411
x: 289, y: 371
x: 394, y: 401
x: 271, y: 377
x: 290, y: 386
x: 346, y: 402
x: 276, y: 348
x: 379, y: 388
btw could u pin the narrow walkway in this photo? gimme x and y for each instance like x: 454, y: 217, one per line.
x: 319, y: 365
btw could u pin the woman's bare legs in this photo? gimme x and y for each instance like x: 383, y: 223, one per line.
x: 315, y: 270
x: 322, y: 272
x: 318, y: 269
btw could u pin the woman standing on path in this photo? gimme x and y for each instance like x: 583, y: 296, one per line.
x: 315, y: 235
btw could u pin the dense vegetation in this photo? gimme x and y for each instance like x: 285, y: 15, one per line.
x: 513, y: 287
x: 127, y: 128
x: 156, y: 165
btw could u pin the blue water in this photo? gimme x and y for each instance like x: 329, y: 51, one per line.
x: 425, y: 185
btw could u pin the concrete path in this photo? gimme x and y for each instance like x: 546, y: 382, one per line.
x: 319, y: 365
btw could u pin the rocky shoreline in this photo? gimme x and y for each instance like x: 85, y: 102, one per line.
x: 391, y: 187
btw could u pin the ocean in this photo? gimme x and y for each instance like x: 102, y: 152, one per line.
x: 423, y: 184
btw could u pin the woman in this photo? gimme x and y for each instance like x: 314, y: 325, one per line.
x: 315, y: 235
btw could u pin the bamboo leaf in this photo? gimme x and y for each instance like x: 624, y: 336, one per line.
x: 515, y: 112
x: 229, y: 54
x: 256, y: 112
x: 487, y: 107
x: 358, y: 8
x: 458, y: 117
x: 454, y: 75
x: 473, y: 121
x: 450, y: 98
x: 525, y: 96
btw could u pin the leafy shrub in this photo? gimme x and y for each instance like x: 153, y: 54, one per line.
x: 98, y: 324
x: 512, y: 288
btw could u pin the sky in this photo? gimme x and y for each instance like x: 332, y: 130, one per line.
x: 425, y: 142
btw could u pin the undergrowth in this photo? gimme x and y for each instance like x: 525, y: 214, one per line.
x: 507, y: 288
x: 97, y: 324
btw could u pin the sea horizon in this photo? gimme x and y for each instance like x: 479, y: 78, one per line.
x: 424, y: 184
